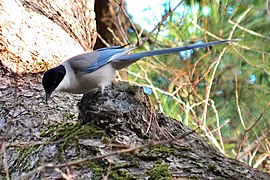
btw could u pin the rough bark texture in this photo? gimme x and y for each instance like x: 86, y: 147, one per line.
x: 33, y: 133
x: 40, y: 33
x: 125, y: 114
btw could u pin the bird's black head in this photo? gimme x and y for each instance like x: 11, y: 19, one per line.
x: 52, y: 79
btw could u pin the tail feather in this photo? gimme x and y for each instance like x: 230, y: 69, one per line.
x: 136, y: 56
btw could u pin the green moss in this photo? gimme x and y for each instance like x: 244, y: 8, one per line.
x: 122, y: 175
x: 162, y: 149
x: 125, y: 165
x: 69, y: 115
x: 156, y: 152
x: 211, y: 166
x: 71, y: 130
x: 70, y: 133
x: 160, y: 171
x: 23, y: 160
x: 96, y: 168
x: 183, y: 148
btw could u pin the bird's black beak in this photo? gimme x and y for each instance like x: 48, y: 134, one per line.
x: 47, y: 97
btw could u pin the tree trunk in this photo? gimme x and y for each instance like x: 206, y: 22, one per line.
x: 38, y: 34
x: 112, y: 25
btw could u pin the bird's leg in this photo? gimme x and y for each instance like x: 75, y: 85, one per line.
x: 102, y: 88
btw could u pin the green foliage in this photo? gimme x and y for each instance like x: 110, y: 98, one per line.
x: 224, y: 89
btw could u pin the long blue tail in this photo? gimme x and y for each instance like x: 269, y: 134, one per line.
x: 140, y: 55
x: 126, y: 60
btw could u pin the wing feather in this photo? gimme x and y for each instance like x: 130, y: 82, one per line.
x: 90, y: 62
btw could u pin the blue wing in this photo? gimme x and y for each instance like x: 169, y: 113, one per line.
x: 90, y: 62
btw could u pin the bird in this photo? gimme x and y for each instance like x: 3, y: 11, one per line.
x: 85, y: 72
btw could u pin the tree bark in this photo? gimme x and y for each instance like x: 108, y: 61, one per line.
x: 120, y: 136
x: 38, y: 34
x: 126, y: 115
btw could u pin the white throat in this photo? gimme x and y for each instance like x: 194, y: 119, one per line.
x: 81, y: 83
